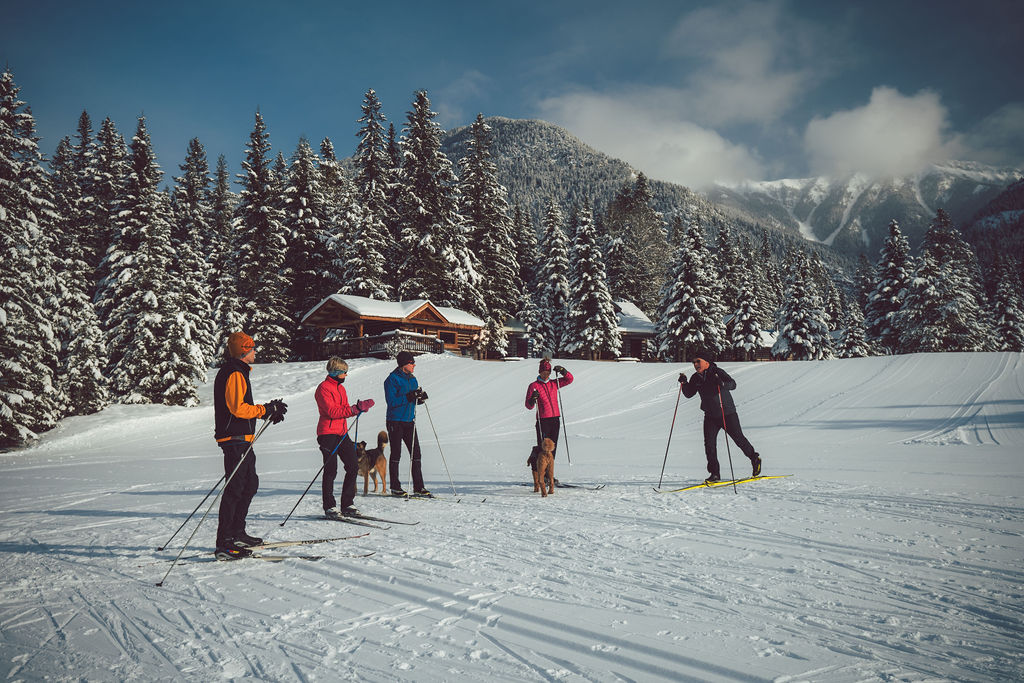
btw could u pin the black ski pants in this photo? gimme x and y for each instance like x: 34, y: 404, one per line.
x: 239, y: 492
x: 333, y: 447
x: 398, y: 433
x: 712, y: 425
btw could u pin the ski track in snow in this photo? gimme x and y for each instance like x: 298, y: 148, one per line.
x: 893, y: 554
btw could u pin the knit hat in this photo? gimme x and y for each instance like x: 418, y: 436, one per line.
x: 545, y: 364
x: 404, y: 358
x: 706, y: 354
x: 239, y: 344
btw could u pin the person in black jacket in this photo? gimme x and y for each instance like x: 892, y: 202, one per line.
x: 714, y: 386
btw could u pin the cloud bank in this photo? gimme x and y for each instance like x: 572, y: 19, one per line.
x: 893, y: 134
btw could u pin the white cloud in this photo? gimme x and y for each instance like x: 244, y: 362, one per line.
x: 450, y: 100
x: 892, y: 134
x: 641, y: 127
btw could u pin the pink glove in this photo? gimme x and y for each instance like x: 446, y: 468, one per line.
x: 364, y: 405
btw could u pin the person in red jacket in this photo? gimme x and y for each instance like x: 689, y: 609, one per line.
x: 334, y: 440
x: 543, y: 393
x: 235, y: 414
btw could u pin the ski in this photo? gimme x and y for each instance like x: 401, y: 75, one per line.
x: 278, y: 558
x: 560, y: 485
x: 310, y: 541
x: 370, y: 518
x: 724, y: 482
x: 356, y: 521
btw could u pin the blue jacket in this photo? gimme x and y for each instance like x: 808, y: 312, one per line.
x: 396, y: 386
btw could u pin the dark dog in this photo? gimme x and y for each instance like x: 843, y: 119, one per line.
x: 545, y: 472
x: 373, y: 463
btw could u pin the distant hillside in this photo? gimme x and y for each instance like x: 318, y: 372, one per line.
x: 539, y: 161
x: 852, y: 214
x: 999, y: 225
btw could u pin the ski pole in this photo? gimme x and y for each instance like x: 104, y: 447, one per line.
x: 565, y: 433
x: 219, y: 494
x: 725, y: 429
x: 431, y: 421
x: 317, y: 476
x: 168, y: 542
x: 670, y: 430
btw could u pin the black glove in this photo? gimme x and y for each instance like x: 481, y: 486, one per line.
x: 421, y: 396
x: 412, y: 395
x: 275, y: 411
x: 535, y: 396
x: 559, y: 369
x: 682, y: 378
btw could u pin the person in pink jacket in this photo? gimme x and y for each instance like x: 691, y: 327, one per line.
x: 334, y: 440
x: 543, y: 393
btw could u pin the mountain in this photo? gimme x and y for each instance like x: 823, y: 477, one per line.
x: 852, y: 214
x: 539, y: 161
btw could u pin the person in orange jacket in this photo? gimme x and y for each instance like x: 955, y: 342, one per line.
x: 235, y: 414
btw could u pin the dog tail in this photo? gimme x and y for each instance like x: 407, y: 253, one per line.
x: 382, y: 438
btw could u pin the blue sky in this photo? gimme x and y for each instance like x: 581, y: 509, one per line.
x: 690, y: 92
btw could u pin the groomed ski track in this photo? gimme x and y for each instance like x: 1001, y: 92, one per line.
x: 892, y: 555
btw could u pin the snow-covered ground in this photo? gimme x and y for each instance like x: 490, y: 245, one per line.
x: 893, y: 553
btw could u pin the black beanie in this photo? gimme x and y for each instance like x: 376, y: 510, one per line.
x: 404, y: 358
x: 706, y: 354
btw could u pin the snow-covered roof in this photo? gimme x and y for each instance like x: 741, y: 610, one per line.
x: 632, y: 319
x: 366, y: 307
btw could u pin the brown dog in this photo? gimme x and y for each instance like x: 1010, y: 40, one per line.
x: 373, y: 463
x: 545, y: 468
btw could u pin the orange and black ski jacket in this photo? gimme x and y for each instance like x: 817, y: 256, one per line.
x: 234, y: 412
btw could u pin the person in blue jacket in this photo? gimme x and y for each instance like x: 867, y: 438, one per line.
x: 402, y: 393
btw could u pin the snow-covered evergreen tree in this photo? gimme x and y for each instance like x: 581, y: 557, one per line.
x: 366, y: 270
x: 637, y: 266
x: 745, y: 336
x: 526, y: 252
x: 485, y: 210
x: 803, y: 330
x: 553, y: 283
x: 892, y: 276
x: 191, y: 232
x: 227, y: 308
x: 729, y: 268
x: 345, y: 217
x: 142, y: 293
x: 80, y: 383
x: 437, y: 262
x: 530, y: 316
x: 28, y: 344
x: 593, y: 327
x: 1008, y: 306
x: 108, y: 187
x: 307, y: 263
x: 942, y: 309
x: 853, y: 342
x: 261, y: 244
x: 690, y: 315
x: 770, y: 290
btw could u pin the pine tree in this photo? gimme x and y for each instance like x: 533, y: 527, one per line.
x: 192, y: 230
x: 1008, y: 306
x: 345, y: 217
x: 892, y: 276
x: 769, y: 294
x: 530, y: 316
x: 803, y: 331
x: 552, y: 283
x: 729, y: 268
x: 690, y: 315
x: 490, y: 236
x: 863, y: 282
x: 437, y: 264
x: 142, y: 294
x: 307, y: 263
x: 80, y: 383
x: 853, y: 343
x: 527, y: 255
x: 593, y: 328
x: 745, y: 336
x: 260, y: 250
x: 108, y: 187
x: 637, y: 268
x: 222, y: 257
x: 943, y: 307
x: 28, y: 350
x: 365, y: 273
